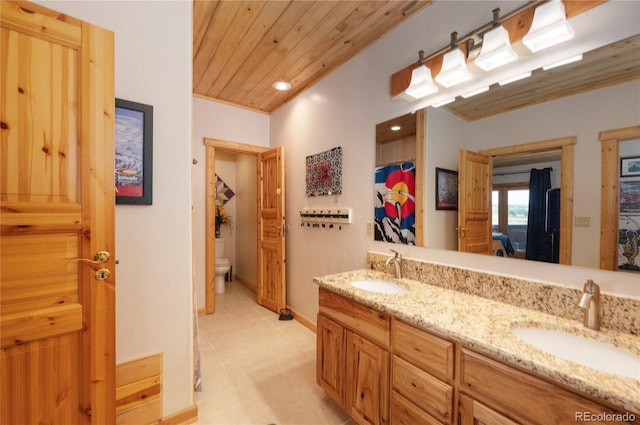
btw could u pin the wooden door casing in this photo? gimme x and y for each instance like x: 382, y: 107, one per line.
x: 57, y: 205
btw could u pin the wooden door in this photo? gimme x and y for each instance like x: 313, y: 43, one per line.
x: 367, y: 381
x: 271, y: 291
x: 330, y: 358
x: 474, y: 202
x: 57, y: 206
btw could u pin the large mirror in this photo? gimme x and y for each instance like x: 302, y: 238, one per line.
x: 557, y: 104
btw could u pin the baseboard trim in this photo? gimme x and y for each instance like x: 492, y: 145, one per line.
x: 182, y: 417
x: 250, y: 286
x: 304, y: 321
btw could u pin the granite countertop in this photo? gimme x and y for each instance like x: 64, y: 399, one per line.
x: 485, y: 326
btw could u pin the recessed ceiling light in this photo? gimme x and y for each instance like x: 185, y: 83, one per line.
x: 282, y: 85
x: 395, y: 128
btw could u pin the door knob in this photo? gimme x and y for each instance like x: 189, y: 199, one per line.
x: 99, y: 258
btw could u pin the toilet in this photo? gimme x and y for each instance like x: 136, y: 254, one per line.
x: 222, y: 266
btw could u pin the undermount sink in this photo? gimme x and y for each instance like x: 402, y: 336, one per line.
x: 381, y: 286
x: 587, y: 352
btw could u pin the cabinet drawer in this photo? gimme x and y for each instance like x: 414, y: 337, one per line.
x: 517, y: 394
x: 364, y: 320
x: 403, y: 412
x: 429, y: 352
x: 427, y: 392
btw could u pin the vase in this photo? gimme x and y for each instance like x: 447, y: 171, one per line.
x: 217, y: 232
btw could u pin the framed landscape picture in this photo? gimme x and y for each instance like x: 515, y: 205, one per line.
x: 446, y: 189
x: 630, y: 166
x: 134, y: 153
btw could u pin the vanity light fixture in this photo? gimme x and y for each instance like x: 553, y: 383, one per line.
x: 281, y: 85
x: 515, y: 78
x: 475, y: 92
x: 421, y: 82
x: 496, y: 46
x: 454, y: 66
x: 443, y: 102
x: 395, y: 128
x: 562, y: 62
x: 549, y: 27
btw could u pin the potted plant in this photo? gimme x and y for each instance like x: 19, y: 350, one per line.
x: 222, y: 219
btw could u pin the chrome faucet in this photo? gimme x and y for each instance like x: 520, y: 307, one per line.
x: 590, y: 302
x: 397, y: 259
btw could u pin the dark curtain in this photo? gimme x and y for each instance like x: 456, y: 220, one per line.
x: 539, y: 242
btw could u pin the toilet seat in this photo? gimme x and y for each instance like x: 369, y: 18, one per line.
x: 222, y: 262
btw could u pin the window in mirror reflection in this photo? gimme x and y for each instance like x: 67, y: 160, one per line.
x: 510, y: 211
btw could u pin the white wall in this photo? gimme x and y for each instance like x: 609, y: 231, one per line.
x: 343, y: 109
x: 216, y: 120
x: 153, y: 243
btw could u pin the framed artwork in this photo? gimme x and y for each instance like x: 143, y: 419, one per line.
x: 630, y: 196
x: 134, y: 153
x: 446, y: 189
x: 324, y: 173
x: 630, y: 166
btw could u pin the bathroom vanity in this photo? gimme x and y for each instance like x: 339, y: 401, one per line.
x: 432, y: 355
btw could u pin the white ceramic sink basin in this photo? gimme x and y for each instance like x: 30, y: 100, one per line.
x: 381, y: 286
x: 584, y: 351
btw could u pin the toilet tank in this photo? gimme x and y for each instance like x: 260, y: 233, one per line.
x: 219, y: 247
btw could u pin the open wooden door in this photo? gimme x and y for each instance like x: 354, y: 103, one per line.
x: 272, y: 289
x: 57, y: 364
x: 474, y: 202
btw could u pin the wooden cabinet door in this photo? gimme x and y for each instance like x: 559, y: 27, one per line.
x: 330, y: 358
x: 367, y: 381
x: 57, y: 198
x: 474, y: 413
x: 272, y: 289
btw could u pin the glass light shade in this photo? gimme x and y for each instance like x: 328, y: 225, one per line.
x: 496, y: 50
x: 421, y: 83
x: 549, y: 27
x: 454, y: 69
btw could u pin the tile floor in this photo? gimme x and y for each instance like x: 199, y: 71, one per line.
x: 257, y: 369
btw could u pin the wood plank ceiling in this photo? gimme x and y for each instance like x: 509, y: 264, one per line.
x: 240, y: 48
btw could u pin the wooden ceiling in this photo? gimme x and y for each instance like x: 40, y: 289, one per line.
x: 240, y: 48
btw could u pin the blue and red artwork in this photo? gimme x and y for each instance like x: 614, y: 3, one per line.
x: 394, y: 205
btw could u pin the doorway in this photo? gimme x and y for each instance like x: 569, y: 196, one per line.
x: 482, y: 238
x: 270, y: 236
x: 222, y: 149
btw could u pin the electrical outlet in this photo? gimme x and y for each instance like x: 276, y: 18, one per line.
x: 369, y: 228
x: 582, y: 221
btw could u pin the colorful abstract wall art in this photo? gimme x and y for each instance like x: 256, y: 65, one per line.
x: 394, y: 204
x: 324, y: 173
x: 223, y: 192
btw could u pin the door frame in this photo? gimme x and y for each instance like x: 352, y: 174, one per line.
x: 610, y: 195
x: 566, y: 147
x: 210, y: 222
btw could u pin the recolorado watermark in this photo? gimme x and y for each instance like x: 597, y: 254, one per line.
x: 604, y: 417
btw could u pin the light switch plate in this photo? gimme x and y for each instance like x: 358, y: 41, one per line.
x: 369, y: 228
x: 582, y: 221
